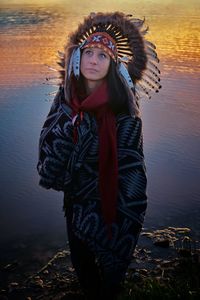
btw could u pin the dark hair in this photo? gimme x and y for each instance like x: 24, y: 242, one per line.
x: 118, y: 96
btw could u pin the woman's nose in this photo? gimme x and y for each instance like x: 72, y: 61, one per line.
x: 93, y: 59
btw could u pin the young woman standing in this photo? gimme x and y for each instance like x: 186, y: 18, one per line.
x: 91, y: 146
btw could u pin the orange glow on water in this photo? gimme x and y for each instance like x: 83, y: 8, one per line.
x: 26, y: 47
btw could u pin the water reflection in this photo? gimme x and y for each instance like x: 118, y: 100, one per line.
x: 32, y: 34
x: 27, y: 44
x: 10, y: 19
x: 30, y: 37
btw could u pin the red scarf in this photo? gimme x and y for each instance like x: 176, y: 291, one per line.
x: 97, y: 104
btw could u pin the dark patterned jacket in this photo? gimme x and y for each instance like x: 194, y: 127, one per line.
x: 73, y: 169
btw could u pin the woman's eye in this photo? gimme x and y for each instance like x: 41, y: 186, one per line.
x: 103, y: 55
x: 88, y: 52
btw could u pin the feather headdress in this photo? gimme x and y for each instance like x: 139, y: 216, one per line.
x: 136, y: 58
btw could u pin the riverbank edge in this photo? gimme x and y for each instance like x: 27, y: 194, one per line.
x: 165, y: 263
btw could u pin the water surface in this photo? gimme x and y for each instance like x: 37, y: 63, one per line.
x: 30, y: 35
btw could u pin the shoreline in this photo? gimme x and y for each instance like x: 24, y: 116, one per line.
x: 157, y: 258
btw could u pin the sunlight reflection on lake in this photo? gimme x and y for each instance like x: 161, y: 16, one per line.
x: 30, y: 36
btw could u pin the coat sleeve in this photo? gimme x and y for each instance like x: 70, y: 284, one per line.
x: 132, y: 171
x: 55, y: 147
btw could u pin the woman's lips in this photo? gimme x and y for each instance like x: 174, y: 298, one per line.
x: 91, y: 70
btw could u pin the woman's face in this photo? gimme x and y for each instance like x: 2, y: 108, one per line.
x: 95, y: 63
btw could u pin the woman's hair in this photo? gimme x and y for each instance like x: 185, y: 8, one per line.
x: 118, y: 95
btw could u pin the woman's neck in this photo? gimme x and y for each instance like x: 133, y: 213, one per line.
x: 91, y: 86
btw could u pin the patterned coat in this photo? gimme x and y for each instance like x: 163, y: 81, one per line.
x: 73, y: 169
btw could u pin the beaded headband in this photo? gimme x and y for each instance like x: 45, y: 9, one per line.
x: 103, y: 41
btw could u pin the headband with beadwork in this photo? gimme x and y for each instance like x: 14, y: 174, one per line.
x: 103, y: 41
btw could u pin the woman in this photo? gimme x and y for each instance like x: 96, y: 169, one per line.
x: 91, y: 146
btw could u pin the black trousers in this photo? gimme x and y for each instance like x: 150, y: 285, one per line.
x: 89, y: 273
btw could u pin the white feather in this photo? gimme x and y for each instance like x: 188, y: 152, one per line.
x: 76, y: 58
x: 125, y: 75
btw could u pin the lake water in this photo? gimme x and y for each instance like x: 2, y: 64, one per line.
x: 30, y: 36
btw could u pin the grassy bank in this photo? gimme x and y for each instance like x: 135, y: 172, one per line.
x: 166, y: 265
